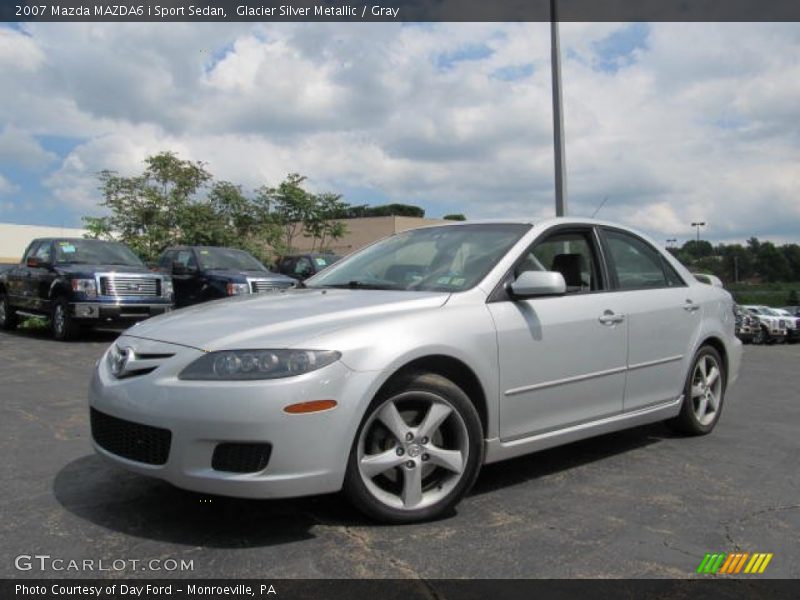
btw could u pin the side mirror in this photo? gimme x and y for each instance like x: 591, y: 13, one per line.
x: 32, y: 262
x: 538, y: 283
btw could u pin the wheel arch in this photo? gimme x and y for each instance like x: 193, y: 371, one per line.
x: 453, y: 369
x: 718, y: 345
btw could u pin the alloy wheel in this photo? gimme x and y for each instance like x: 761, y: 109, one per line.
x: 59, y: 319
x: 706, y: 389
x: 413, y: 450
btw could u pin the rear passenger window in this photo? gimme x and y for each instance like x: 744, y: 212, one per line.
x: 638, y: 265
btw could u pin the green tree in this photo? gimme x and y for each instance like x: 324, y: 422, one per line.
x: 793, y: 299
x: 292, y: 207
x: 147, y: 209
x: 455, y: 217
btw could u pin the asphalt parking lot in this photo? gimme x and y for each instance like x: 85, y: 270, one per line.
x: 641, y: 503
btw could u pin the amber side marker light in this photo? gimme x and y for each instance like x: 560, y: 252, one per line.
x: 310, y: 407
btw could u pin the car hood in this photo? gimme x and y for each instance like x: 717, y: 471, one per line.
x: 279, y: 320
x: 240, y: 274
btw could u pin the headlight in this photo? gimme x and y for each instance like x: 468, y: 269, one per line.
x: 233, y: 365
x: 85, y: 286
x: 166, y: 288
x: 234, y: 289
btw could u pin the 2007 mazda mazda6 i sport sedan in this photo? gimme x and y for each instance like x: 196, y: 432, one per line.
x: 396, y: 373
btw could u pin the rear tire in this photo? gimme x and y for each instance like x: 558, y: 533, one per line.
x: 703, y: 394
x: 62, y: 324
x: 417, y: 451
x: 8, y: 316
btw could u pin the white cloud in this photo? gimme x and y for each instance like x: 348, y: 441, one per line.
x: 6, y: 187
x: 699, y: 121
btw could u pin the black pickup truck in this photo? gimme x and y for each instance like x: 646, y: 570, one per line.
x: 303, y: 266
x: 81, y: 283
x: 202, y: 273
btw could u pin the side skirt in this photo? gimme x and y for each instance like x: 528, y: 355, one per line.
x: 497, y: 450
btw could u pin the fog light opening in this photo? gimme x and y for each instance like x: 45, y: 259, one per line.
x: 310, y: 406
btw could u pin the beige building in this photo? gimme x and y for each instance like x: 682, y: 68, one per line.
x: 15, y: 238
x: 364, y: 231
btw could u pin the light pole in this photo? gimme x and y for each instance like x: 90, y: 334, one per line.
x: 558, y: 114
x: 698, y: 225
x: 671, y: 241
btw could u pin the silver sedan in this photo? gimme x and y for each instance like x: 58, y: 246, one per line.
x: 399, y: 371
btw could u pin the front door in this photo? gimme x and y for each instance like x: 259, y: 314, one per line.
x: 562, y: 359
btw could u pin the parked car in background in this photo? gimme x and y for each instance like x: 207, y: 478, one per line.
x: 79, y: 283
x: 747, y: 324
x: 792, y: 324
x: 303, y: 266
x: 202, y: 273
x: 773, y: 326
x: 792, y: 310
x: 708, y: 279
x: 399, y: 371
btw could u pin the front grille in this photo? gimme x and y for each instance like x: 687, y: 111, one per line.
x: 133, y: 441
x: 258, y: 286
x: 124, y: 287
x: 241, y: 458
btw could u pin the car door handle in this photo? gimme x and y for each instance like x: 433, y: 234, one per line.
x: 691, y: 306
x: 609, y: 318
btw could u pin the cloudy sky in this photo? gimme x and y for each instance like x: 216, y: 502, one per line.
x: 671, y: 122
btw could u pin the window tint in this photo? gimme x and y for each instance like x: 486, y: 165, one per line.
x: 303, y: 266
x: 638, y: 265
x: 673, y: 278
x: 569, y: 254
x: 31, y: 251
x: 186, y: 258
x: 166, y: 260
x: 43, y: 252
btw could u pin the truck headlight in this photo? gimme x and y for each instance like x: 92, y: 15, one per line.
x: 166, y: 288
x: 235, y: 289
x: 85, y: 286
x: 238, y: 365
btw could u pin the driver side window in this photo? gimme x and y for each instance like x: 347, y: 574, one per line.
x: 571, y: 254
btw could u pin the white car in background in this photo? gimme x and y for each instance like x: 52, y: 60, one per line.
x: 774, y: 326
x: 792, y: 324
x: 396, y: 373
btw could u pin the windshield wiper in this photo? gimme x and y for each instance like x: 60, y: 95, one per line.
x: 362, y: 285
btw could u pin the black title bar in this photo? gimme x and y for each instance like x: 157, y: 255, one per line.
x: 400, y: 10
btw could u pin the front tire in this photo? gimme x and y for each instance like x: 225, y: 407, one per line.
x: 703, y: 394
x: 8, y: 316
x: 417, y: 452
x: 62, y: 324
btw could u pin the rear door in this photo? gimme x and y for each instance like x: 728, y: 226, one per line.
x: 663, y: 319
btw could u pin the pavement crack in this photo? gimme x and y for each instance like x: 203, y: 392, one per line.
x: 728, y: 525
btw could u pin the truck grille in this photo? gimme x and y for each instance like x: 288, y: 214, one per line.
x: 130, y: 286
x: 258, y: 286
x: 133, y: 441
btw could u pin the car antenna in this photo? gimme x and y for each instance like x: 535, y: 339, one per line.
x: 597, y: 210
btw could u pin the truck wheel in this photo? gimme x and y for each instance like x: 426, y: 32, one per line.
x: 63, y: 325
x: 8, y: 316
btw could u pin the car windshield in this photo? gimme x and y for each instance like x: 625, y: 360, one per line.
x: 228, y: 258
x: 448, y: 258
x: 95, y: 252
x: 770, y: 312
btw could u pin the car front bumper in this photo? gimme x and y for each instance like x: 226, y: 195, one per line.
x: 309, y: 452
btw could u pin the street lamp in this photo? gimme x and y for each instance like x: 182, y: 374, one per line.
x: 698, y: 225
x: 558, y: 114
x: 671, y: 241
